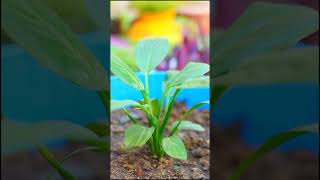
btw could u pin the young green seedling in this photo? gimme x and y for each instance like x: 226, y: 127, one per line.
x: 150, y: 52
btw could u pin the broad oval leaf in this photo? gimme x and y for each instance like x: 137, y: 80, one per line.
x: 262, y: 28
x: 174, y: 147
x: 294, y: 65
x: 35, y: 27
x: 119, y: 104
x: 19, y: 136
x: 150, y: 52
x: 137, y: 136
x: 191, y: 70
x: 199, y: 82
x: 271, y: 143
x: 96, y: 10
x: 125, y: 73
x: 187, y: 125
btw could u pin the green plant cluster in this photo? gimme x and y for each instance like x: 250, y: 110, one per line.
x: 149, y: 53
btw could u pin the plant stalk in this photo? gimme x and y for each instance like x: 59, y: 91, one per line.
x: 166, y: 117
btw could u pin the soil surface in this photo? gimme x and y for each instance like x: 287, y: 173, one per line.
x: 140, y: 164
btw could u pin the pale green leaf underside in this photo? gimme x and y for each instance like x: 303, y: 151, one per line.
x: 171, y: 73
x: 187, y: 125
x: 137, y: 136
x: 118, y: 104
x: 199, y: 82
x: 191, y: 70
x: 174, y: 147
x: 125, y: 73
x: 150, y: 52
x: 36, y: 28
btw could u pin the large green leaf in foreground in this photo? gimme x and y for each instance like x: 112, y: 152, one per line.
x: 294, y: 65
x: 262, y: 28
x: 19, y: 136
x: 270, y: 144
x: 35, y: 27
x: 137, y: 136
x: 174, y: 147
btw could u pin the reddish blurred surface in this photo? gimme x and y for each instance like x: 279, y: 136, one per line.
x: 227, y: 11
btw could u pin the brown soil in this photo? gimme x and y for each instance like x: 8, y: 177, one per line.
x: 140, y: 164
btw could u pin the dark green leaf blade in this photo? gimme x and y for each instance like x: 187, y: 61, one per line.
x: 262, y: 28
x: 35, y: 27
x: 294, y: 65
x: 270, y: 144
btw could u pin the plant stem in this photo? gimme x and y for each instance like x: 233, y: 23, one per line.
x: 134, y: 121
x: 166, y: 117
x: 161, y: 100
x: 54, y: 162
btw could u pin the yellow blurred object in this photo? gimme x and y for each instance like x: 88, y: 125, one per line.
x: 160, y: 23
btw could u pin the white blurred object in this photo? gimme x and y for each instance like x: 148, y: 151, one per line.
x: 117, y: 8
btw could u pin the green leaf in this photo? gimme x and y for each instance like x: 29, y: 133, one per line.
x: 96, y: 10
x: 19, y: 136
x: 171, y: 73
x: 270, y: 144
x: 150, y: 52
x: 101, y: 129
x: 216, y: 92
x: 191, y: 70
x: 119, y: 104
x: 187, y: 125
x: 125, y: 73
x: 35, y: 27
x: 199, y: 82
x: 174, y: 147
x: 186, y: 114
x: 54, y: 162
x: 294, y: 65
x: 126, y: 55
x: 155, y: 106
x: 262, y: 28
x: 137, y: 136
